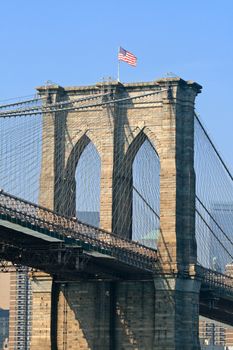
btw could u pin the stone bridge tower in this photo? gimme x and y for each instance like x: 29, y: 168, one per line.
x: 165, y: 309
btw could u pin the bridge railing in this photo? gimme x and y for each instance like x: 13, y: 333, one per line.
x: 93, y: 238
x: 215, y: 279
x: 36, y: 217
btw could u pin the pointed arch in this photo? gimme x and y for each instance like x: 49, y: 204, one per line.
x: 76, y: 153
x: 87, y: 179
x: 146, y: 195
x: 137, y: 143
x: 68, y: 202
x: 139, y: 135
x: 123, y: 186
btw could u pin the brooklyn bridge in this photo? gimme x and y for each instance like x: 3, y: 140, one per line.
x: 116, y: 198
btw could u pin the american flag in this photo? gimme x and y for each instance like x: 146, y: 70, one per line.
x: 127, y: 56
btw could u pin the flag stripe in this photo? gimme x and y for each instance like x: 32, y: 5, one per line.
x: 127, y: 56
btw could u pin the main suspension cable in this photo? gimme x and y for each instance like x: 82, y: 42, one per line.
x: 42, y: 109
x: 75, y: 108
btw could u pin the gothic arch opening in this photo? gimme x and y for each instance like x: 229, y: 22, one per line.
x: 87, y: 177
x: 146, y: 195
x: 81, y: 187
x: 136, y: 196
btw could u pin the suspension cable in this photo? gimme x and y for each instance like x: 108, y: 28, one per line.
x: 214, y: 234
x: 225, y: 235
x: 215, y: 149
x: 45, y: 107
x: 73, y: 109
x: 21, y: 102
x: 146, y: 202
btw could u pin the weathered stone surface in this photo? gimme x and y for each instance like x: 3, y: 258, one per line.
x: 41, y: 311
x: 167, y: 120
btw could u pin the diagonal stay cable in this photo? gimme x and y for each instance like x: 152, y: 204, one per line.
x: 145, y: 201
x: 214, y: 234
x: 225, y: 235
x: 215, y: 149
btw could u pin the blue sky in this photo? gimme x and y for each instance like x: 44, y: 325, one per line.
x: 75, y: 42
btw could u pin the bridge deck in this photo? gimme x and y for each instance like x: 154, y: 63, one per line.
x: 46, y: 222
x: 40, y: 222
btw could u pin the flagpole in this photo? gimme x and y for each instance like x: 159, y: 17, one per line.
x: 118, y: 66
